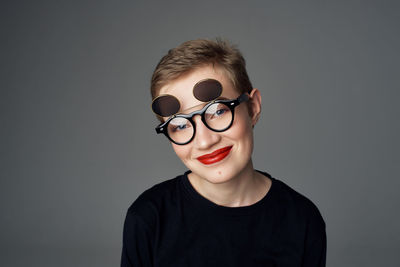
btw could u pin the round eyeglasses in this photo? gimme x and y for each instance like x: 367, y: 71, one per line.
x: 217, y: 116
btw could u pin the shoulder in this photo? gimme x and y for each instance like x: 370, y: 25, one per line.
x: 288, y: 194
x: 294, y: 203
x: 299, y: 212
x: 149, y: 204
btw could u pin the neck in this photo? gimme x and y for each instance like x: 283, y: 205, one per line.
x: 246, y: 188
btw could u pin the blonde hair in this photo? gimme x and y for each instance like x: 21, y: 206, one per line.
x: 196, y: 53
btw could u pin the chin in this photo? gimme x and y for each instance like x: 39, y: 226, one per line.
x: 223, y: 171
x: 217, y: 175
x: 219, y: 179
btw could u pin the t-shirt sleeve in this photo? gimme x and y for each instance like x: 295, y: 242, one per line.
x: 137, y: 246
x: 315, y: 243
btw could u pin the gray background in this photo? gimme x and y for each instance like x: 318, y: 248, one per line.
x: 77, y: 134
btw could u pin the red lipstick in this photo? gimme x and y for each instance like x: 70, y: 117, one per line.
x: 215, y: 156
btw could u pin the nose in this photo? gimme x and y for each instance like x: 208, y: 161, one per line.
x: 204, y: 138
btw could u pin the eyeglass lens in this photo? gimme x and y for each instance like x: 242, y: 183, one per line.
x: 217, y: 117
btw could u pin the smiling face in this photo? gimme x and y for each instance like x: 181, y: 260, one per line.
x: 216, y: 157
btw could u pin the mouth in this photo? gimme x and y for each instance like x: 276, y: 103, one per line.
x: 215, y: 156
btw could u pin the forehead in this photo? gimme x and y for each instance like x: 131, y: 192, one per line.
x: 182, y: 87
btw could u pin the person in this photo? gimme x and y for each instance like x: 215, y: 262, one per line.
x: 221, y: 212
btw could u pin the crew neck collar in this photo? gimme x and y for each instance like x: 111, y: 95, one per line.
x: 209, y: 206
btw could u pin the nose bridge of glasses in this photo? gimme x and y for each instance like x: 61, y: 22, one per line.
x: 197, y: 119
x: 203, y: 136
x: 192, y: 115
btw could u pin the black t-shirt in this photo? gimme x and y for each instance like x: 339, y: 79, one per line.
x: 171, y: 224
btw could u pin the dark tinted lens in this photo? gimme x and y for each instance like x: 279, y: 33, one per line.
x: 207, y: 90
x: 165, y: 105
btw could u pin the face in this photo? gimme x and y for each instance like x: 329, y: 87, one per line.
x: 230, y: 150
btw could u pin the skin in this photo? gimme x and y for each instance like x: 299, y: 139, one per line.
x: 231, y: 182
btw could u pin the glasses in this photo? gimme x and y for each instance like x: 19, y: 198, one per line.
x: 217, y: 116
x: 205, y: 90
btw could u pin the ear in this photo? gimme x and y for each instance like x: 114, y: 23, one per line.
x: 255, y: 105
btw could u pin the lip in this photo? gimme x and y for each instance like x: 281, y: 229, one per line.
x: 215, y: 156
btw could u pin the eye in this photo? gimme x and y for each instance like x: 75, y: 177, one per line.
x: 220, y: 112
x: 178, y: 125
x: 216, y: 111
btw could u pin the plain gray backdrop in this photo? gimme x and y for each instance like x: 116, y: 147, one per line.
x: 77, y: 133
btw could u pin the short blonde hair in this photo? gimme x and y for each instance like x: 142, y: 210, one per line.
x: 196, y: 53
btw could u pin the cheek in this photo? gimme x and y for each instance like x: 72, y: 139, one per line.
x: 242, y: 126
x: 182, y: 152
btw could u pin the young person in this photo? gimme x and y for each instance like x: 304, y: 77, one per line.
x: 221, y: 212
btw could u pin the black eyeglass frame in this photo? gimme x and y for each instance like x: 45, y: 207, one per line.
x: 231, y: 104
